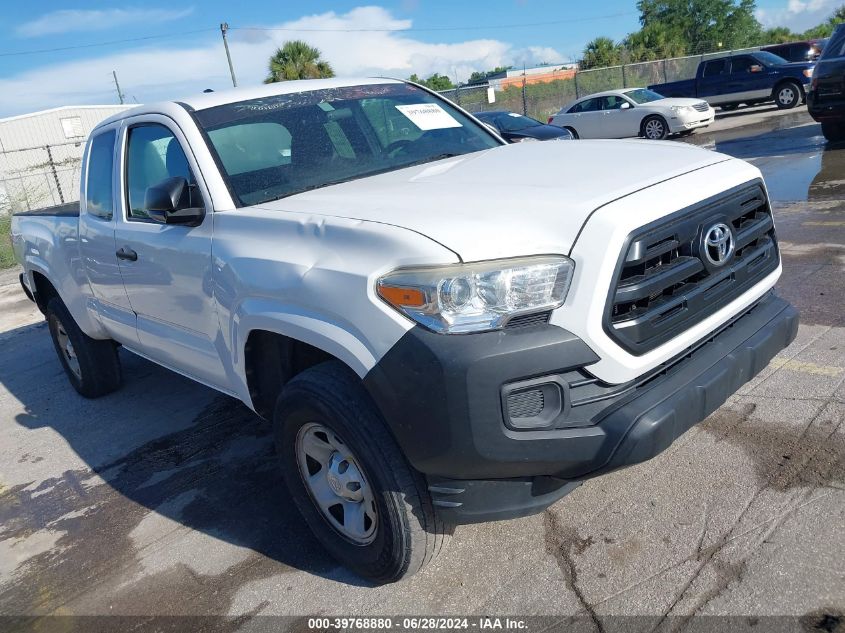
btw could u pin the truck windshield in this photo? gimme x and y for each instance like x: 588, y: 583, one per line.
x: 770, y: 59
x: 280, y: 145
x: 641, y: 95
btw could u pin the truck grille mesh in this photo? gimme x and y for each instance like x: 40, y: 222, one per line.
x: 665, y: 283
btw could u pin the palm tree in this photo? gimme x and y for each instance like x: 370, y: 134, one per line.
x: 600, y: 53
x: 297, y: 60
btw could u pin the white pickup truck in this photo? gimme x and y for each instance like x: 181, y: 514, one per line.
x: 443, y: 328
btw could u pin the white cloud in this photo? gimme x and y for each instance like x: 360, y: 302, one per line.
x: 77, y: 20
x: 798, y: 15
x: 168, y: 72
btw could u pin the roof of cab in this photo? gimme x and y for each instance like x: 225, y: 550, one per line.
x: 206, y: 100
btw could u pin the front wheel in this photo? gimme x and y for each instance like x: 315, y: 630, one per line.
x: 655, y: 128
x: 834, y: 132
x: 787, y: 95
x: 91, y: 365
x: 350, y: 481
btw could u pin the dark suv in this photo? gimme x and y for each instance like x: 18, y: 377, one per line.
x: 826, y: 99
x: 803, y: 51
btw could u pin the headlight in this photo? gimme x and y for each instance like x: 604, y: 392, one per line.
x: 682, y: 109
x: 479, y: 296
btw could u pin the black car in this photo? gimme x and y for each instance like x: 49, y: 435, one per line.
x: 516, y: 128
x: 803, y: 51
x: 826, y: 99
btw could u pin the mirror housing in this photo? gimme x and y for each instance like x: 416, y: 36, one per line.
x: 625, y: 106
x: 756, y: 68
x: 171, y: 202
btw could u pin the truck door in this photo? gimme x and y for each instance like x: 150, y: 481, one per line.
x: 99, y: 198
x: 711, y: 83
x: 167, y: 268
x: 749, y: 79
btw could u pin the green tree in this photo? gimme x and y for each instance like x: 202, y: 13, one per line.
x: 297, y: 60
x: 434, y: 82
x: 481, y: 76
x: 778, y: 35
x: 704, y: 25
x: 600, y: 53
x: 654, y: 41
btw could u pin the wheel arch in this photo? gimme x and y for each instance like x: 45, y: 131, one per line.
x: 272, y: 346
x: 788, y: 80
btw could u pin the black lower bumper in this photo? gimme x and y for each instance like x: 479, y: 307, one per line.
x: 826, y: 110
x: 443, y: 403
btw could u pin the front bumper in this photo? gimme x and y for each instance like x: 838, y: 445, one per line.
x: 683, y: 124
x: 826, y: 110
x: 442, y: 398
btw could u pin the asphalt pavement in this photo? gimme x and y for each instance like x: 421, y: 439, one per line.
x: 164, y: 498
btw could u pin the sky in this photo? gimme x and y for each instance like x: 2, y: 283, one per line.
x: 176, y: 46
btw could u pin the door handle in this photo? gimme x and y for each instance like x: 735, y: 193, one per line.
x: 127, y: 253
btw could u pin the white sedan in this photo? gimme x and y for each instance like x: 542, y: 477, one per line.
x: 633, y: 112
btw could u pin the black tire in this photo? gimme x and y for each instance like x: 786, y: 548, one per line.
x: 408, y: 533
x: 572, y: 132
x: 787, y: 95
x: 654, y: 128
x: 834, y: 132
x: 91, y: 365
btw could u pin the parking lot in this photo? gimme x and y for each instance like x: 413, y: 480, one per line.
x: 164, y: 498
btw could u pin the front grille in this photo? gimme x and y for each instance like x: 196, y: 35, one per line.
x: 702, y: 106
x: 665, y: 283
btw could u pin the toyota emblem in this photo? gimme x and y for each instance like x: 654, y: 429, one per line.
x: 718, y: 244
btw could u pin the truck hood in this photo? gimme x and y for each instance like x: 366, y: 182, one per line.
x: 513, y: 200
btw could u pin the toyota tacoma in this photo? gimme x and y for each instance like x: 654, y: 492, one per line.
x: 442, y: 328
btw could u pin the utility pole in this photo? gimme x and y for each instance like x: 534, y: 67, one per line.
x: 120, y: 95
x: 224, y: 26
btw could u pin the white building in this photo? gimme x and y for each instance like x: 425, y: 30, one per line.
x: 41, y: 153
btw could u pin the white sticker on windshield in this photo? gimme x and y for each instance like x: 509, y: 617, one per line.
x: 428, y: 116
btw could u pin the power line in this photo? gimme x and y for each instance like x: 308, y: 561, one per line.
x: 109, y: 43
x: 434, y: 28
x: 471, y: 27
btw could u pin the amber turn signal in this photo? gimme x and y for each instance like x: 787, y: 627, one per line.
x: 398, y: 296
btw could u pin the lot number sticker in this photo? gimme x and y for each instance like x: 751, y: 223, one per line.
x: 428, y: 116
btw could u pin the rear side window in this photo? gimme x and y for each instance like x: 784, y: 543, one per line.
x: 836, y: 46
x: 715, y: 67
x: 590, y: 105
x: 153, y: 155
x: 99, y: 199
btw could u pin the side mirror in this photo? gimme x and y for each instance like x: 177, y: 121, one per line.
x: 172, y: 202
x: 625, y: 105
x: 755, y: 69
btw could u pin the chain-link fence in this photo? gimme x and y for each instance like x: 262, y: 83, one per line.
x: 38, y: 177
x: 542, y: 100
